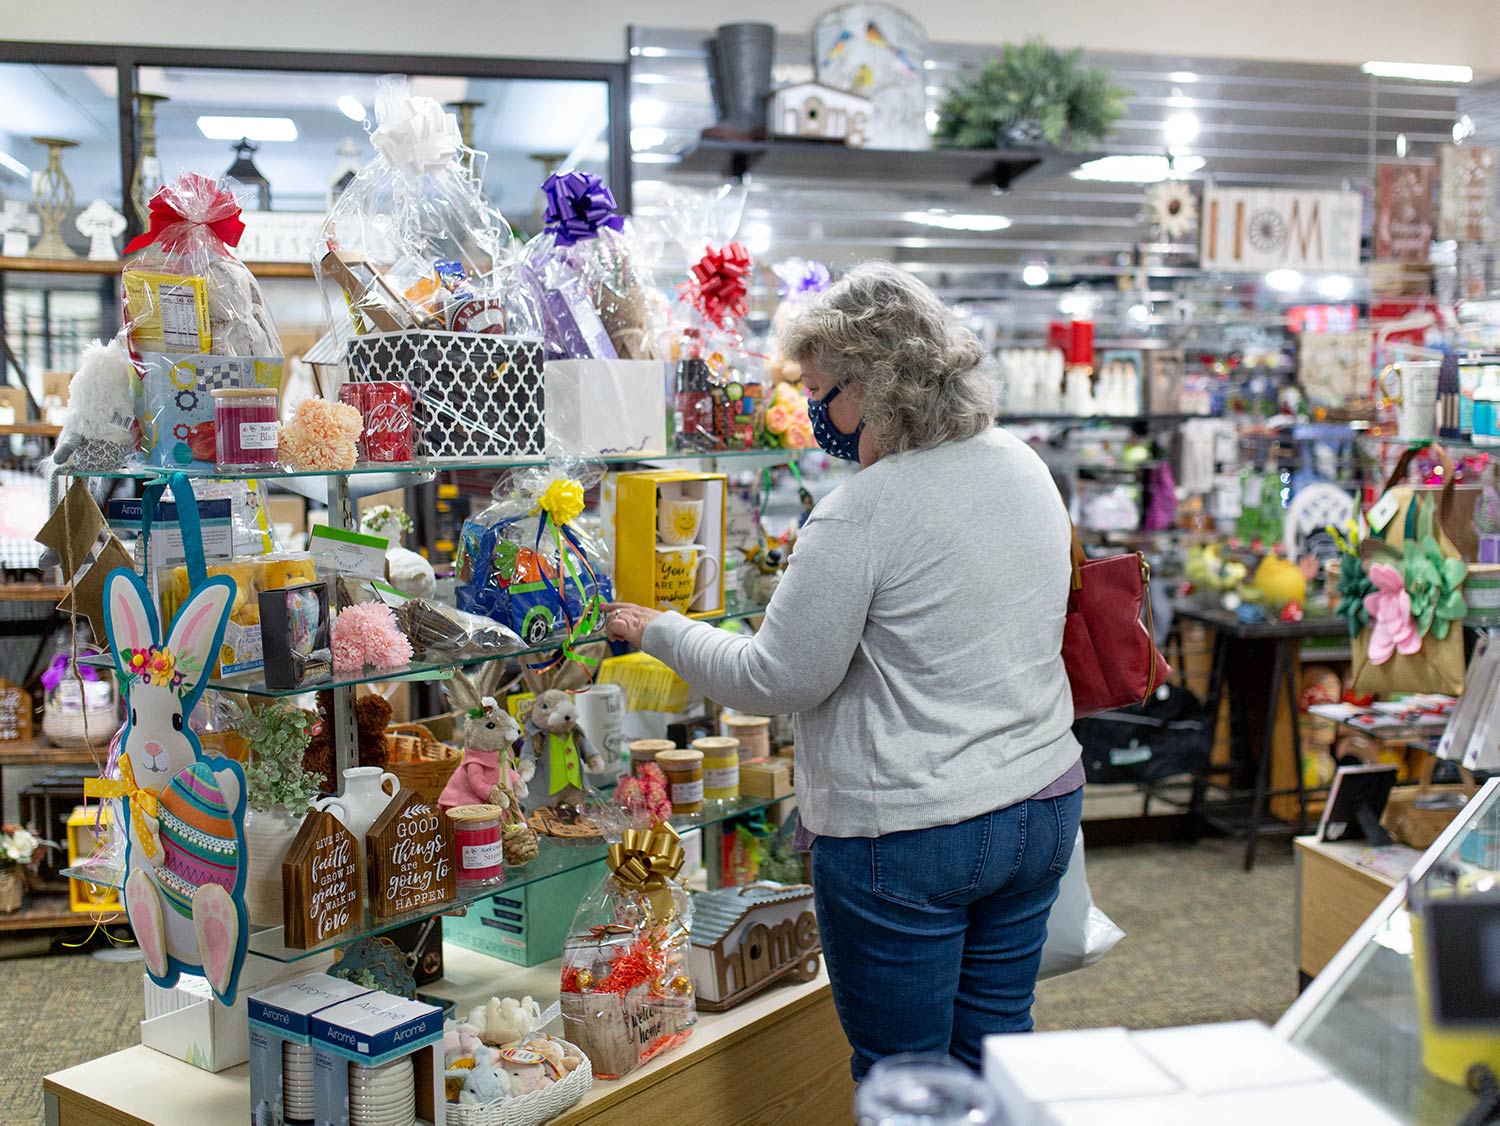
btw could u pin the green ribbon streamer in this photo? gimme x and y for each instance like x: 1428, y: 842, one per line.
x: 592, y: 619
x: 1434, y: 581
x: 562, y: 764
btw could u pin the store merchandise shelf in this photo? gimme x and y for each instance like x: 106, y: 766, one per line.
x: 553, y: 859
x: 48, y: 911
x: 253, y: 683
x: 30, y: 430
x: 1467, y: 445
x: 823, y: 160
x: 428, y: 466
x: 32, y: 592
x: 111, y: 266
x: 37, y: 752
x: 1100, y: 419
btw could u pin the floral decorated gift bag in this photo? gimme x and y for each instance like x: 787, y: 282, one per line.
x: 1401, y: 591
x: 627, y: 991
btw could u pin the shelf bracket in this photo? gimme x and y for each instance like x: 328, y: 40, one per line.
x: 345, y: 736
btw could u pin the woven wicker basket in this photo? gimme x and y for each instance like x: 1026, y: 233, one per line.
x: 417, y: 757
x: 528, y: 1110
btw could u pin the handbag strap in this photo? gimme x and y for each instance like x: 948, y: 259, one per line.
x: 1446, y: 499
x: 1078, y: 558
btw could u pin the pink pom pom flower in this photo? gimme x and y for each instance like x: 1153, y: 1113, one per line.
x: 367, y: 635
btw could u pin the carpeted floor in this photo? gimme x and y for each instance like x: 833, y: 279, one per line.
x: 1205, y: 941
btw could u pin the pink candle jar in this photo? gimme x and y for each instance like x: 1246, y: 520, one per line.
x: 245, y: 430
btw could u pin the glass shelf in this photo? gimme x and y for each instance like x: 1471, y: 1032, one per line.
x: 553, y: 859
x: 1450, y: 444
x: 253, y: 683
x: 429, y: 466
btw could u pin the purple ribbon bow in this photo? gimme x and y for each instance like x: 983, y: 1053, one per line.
x: 59, y: 669
x: 578, y: 206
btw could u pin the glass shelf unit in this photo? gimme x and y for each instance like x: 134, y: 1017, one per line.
x: 553, y: 859
x: 419, y: 467
x: 253, y: 683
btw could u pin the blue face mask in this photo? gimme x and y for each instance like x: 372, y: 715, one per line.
x: 833, y: 440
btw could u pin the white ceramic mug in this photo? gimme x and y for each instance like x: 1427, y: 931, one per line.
x: 678, y: 519
x: 1413, y: 386
x: 680, y: 574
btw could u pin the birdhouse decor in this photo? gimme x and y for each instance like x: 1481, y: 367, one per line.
x: 810, y: 111
x: 747, y: 938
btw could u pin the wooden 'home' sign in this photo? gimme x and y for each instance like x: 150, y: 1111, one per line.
x: 409, y: 855
x: 747, y: 938
x: 320, y: 882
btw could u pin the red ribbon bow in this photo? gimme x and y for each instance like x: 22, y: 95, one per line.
x: 191, y: 201
x: 719, y: 282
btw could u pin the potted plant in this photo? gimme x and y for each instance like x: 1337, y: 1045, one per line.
x: 19, y: 849
x: 1033, y: 94
x: 278, y: 794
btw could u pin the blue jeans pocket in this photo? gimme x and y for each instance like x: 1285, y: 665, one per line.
x: 926, y: 866
x: 1067, y: 829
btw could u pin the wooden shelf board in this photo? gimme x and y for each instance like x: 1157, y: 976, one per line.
x: 30, y: 429
x: 86, y: 266
x: 47, y: 910
x: 37, y: 752
x: 32, y: 592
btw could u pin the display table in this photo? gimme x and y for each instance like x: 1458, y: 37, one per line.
x: 1339, y: 885
x: 780, y: 1055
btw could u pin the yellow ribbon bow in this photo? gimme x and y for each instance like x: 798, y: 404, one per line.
x: 143, y: 802
x: 646, y: 861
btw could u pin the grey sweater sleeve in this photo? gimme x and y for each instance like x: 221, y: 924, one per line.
x: 802, y: 651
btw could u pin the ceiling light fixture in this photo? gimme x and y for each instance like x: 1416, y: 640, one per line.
x: 1420, y: 72
x: 1181, y: 129
x: 647, y: 137
x: 1034, y: 273
x: 1401, y: 145
x: 955, y: 221
x: 250, y: 128
x: 757, y: 238
x: 352, y: 108
x: 1138, y: 168
x: 1335, y: 287
x: 1284, y: 280
x: 647, y: 111
x: 1183, y: 76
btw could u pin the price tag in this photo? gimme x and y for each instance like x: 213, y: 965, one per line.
x: 1381, y: 512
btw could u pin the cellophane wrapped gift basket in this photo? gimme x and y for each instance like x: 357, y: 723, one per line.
x: 627, y: 991
x: 416, y: 274
x: 196, y: 323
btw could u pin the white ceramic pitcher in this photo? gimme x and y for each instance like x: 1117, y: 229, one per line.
x: 365, y: 798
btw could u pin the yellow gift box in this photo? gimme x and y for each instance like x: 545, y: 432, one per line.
x: 83, y: 843
x: 636, y: 503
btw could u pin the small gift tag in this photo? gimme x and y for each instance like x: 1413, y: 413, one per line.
x: 1381, y: 512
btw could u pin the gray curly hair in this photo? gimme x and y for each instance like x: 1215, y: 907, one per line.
x: 920, y: 378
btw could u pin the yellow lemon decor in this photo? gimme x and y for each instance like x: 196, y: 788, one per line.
x: 1280, y: 581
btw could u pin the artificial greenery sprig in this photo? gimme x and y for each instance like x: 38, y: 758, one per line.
x: 278, y: 738
x: 1032, y: 94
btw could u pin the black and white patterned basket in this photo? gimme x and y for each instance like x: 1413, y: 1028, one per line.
x: 473, y: 394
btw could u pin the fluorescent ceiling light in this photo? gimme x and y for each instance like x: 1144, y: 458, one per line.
x: 9, y: 162
x: 647, y: 111
x: 757, y: 238
x: 352, y: 108
x: 647, y: 138
x: 1137, y: 168
x: 1180, y: 129
x: 1034, y: 273
x: 1420, y: 72
x: 1401, y: 145
x: 649, y: 52
x: 953, y: 221
x: 250, y: 128
x: 1284, y: 280
x: 1335, y: 287
x: 655, y: 157
x: 1183, y: 76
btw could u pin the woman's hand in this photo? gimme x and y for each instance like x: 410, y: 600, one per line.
x: 627, y: 622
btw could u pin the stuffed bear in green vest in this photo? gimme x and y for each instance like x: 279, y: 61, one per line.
x: 553, y: 763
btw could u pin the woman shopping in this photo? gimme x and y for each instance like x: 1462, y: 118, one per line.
x: 917, y: 634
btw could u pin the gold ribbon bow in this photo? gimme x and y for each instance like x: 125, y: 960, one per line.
x: 143, y: 802
x: 646, y: 861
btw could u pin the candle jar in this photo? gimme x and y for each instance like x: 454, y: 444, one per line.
x: 643, y: 751
x: 753, y: 733
x: 684, y: 771
x: 245, y: 427
x: 721, y: 767
x: 478, y: 850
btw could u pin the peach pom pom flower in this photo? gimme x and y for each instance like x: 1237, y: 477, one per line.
x: 321, y: 435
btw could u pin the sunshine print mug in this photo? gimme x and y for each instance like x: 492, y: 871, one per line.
x: 680, y: 568
x: 678, y: 519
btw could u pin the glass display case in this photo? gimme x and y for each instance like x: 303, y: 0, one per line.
x: 1366, y: 1016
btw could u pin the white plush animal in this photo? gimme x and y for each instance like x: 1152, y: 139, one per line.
x: 185, y: 849
x: 502, y: 1023
x: 486, y: 1084
x: 97, y: 433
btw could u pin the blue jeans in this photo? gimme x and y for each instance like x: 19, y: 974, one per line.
x: 933, y: 937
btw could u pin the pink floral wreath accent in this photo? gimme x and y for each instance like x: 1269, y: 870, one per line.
x: 1394, y: 630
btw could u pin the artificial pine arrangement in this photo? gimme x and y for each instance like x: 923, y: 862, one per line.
x: 1032, y: 94
x: 278, y: 736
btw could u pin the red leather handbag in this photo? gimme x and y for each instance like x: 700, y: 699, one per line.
x: 1110, y: 654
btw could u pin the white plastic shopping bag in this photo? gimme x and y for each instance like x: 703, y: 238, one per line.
x: 1078, y: 933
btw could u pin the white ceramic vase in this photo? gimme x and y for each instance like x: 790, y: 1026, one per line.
x: 268, y: 835
x: 365, y: 797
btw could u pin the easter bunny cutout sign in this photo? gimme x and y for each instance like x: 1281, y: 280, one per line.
x: 185, y: 846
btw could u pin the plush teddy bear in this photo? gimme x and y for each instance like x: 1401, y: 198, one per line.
x: 556, y: 740
x: 486, y: 1084
x: 321, y: 435
x: 97, y: 433
x: 372, y: 714
x: 503, y: 1022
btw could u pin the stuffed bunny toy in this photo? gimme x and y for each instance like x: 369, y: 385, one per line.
x: 557, y: 749
x: 185, y: 846
x: 491, y: 737
x: 97, y: 433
